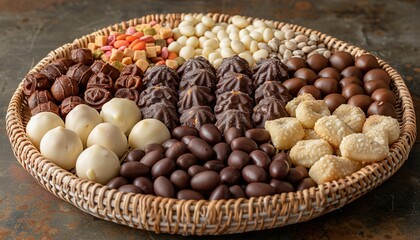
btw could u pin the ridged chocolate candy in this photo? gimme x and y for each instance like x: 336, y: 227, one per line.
x: 234, y: 64
x: 100, y: 66
x: 234, y: 81
x: 53, y: 71
x: 128, y: 93
x: 194, y: 96
x: 198, y: 77
x: 35, y: 81
x: 101, y: 80
x: 64, y: 87
x: 128, y: 81
x: 162, y: 112
x: 272, y: 89
x: 81, y: 73
x: 69, y: 104
x: 161, y: 75
x: 96, y: 97
x: 132, y: 70
x: 197, y: 116
x: 46, y: 107
x: 234, y: 118
x: 270, y: 69
x: 39, y: 97
x: 158, y: 94
x: 268, y: 109
x: 195, y: 63
x: 233, y: 100
x: 82, y: 55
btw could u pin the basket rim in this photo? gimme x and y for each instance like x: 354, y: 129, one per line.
x: 329, y: 196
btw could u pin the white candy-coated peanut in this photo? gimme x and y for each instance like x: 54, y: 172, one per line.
x: 259, y: 23
x: 201, y: 41
x: 208, y: 21
x: 257, y: 36
x: 290, y: 45
x: 248, y: 57
x: 243, y: 33
x: 270, y: 24
x: 217, y: 63
x: 260, y: 54
x: 239, y: 21
x: 225, y: 43
x: 250, y: 28
x: 192, y: 41
x: 189, y: 18
x: 237, y: 46
x: 182, y: 40
x: 222, y: 35
x: 233, y: 36
x: 187, y: 30
x: 210, y: 34
x: 260, y: 29
x: 206, y: 51
x: 185, y: 23
x: 199, y: 16
x: 174, y: 46
x: 301, y: 38
x: 289, y: 34
x: 211, y: 43
x: 200, y: 29
x: 217, y: 29
x: 176, y: 33
x: 213, y: 56
x: 268, y: 34
x: 285, y: 28
x: 247, y: 41
x: 232, y: 28
x: 253, y: 47
x: 198, y: 52
x: 227, y: 52
x: 186, y: 52
x: 279, y: 35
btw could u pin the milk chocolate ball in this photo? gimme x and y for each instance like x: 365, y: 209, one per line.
x: 373, y: 85
x: 351, y: 90
x: 311, y: 89
x: 377, y: 74
x: 307, y: 74
x: 294, y: 64
x: 294, y: 85
x: 366, y: 62
x: 317, y: 62
x: 341, y: 60
x: 361, y: 101
x: 327, y: 85
x: 334, y: 100
x: 329, y: 72
x: 382, y: 108
x: 349, y: 80
x: 351, y: 71
x: 384, y: 94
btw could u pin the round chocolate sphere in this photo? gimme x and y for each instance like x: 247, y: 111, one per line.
x: 382, y: 108
x: 329, y: 72
x: 308, y: 74
x: 366, y: 62
x: 384, y: 94
x: 349, y: 80
x: 294, y: 64
x: 311, y: 89
x: 334, y: 100
x: 352, y: 71
x: 361, y: 101
x: 327, y: 85
x: 341, y: 60
x: 317, y: 62
x: 373, y: 85
x: 351, y: 90
x: 294, y: 85
x: 377, y: 74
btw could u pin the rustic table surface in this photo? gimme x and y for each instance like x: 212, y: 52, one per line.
x: 30, y: 29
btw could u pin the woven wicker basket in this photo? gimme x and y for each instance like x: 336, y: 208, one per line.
x: 191, y: 217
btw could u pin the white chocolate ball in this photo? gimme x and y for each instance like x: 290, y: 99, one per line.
x: 98, y: 164
x: 121, y: 112
x: 82, y: 119
x: 62, y: 147
x: 148, y: 131
x: 110, y: 136
x: 40, y: 124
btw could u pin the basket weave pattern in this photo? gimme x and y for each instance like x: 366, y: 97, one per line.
x: 191, y: 217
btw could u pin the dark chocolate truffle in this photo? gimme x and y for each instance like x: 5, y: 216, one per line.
x: 334, y: 100
x: 195, y: 96
x: 317, y: 62
x: 233, y: 100
x: 69, y: 104
x: 162, y: 112
x: 197, y: 116
x: 39, y: 97
x: 35, y: 81
x: 272, y: 89
x: 234, y: 118
x: 161, y: 75
x: 366, y: 62
x: 132, y: 70
x: 64, y: 87
x: 81, y: 73
x: 329, y: 72
x: 100, y: 80
x: 294, y: 85
x: 198, y: 77
x: 361, y: 101
x: 234, y: 81
x: 128, y: 93
x: 311, y: 89
x: 327, y: 85
x: 341, y: 60
x: 382, y: 108
x: 268, y: 109
x: 384, y: 94
x: 295, y: 63
x: 195, y: 63
x: 307, y: 74
x: 377, y: 74
x: 234, y: 64
x: 82, y: 55
x: 96, y: 97
x: 46, y: 107
x: 270, y: 69
x: 100, y: 66
x: 158, y: 94
x: 129, y: 81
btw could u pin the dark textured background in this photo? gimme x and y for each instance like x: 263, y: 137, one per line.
x: 30, y: 29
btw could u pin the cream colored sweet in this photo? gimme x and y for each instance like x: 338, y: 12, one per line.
x: 110, y: 136
x: 121, y: 112
x: 98, y: 164
x: 148, y: 131
x: 61, y: 146
x: 40, y: 124
x: 82, y: 119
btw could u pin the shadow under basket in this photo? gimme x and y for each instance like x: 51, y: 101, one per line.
x: 192, y: 217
